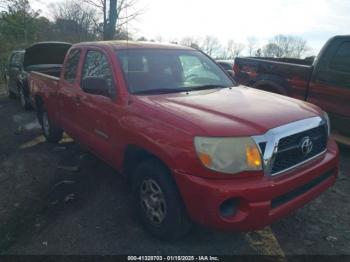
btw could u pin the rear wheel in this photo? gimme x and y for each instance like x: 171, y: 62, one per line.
x: 51, y: 133
x: 158, y: 201
x: 23, y: 99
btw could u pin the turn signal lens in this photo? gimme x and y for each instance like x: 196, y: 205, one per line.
x: 253, y: 156
x: 205, y: 158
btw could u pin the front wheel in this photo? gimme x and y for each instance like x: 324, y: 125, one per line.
x: 51, y: 133
x: 158, y: 201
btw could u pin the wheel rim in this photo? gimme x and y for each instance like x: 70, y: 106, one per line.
x: 46, y: 124
x: 22, y: 98
x: 153, y: 201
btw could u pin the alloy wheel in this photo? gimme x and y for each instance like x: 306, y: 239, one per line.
x: 153, y: 201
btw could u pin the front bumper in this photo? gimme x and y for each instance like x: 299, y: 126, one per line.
x: 261, y: 199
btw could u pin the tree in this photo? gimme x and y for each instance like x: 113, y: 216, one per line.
x: 20, y: 26
x: 252, y: 45
x: 286, y: 46
x: 18, y: 22
x: 189, y: 41
x: 272, y: 50
x: 232, y: 49
x: 210, y: 45
x: 258, y: 52
x: 116, y: 16
x: 142, y: 38
x: 75, y: 21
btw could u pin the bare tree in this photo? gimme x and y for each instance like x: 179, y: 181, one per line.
x: 252, y: 45
x: 288, y: 46
x: 210, y: 45
x: 258, y: 52
x: 272, y: 50
x: 232, y: 49
x: 190, y: 41
x: 75, y: 21
x: 116, y: 15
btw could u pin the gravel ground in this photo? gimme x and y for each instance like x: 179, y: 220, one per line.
x: 59, y: 199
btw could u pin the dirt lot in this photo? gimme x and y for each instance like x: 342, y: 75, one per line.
x: 59, y: 199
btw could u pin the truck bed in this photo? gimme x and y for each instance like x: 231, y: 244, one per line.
x: 282, y: 76
x: 43, y: 83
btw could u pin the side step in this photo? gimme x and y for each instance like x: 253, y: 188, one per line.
x: 341, y: 139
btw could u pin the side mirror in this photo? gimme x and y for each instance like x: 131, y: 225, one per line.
x: 96, y: 86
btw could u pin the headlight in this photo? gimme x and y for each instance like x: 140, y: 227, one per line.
x: 228, y: 155
x: 328, y: 122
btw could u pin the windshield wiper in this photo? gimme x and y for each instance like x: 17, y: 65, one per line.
x: 204, y: 87
x: 159, y: 91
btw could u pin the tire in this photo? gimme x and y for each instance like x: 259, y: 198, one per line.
x: 23, y: 99
x: 51, y: 133
x: 158, y: 202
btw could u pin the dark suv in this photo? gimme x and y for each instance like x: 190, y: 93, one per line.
x: 13, y: 73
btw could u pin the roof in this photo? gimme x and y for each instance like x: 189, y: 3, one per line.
x: 118, y: 45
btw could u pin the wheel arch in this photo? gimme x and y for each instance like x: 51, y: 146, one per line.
x: 38, y: 103
x: 134, y: 154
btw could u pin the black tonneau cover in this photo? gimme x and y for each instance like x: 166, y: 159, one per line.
x: 46, y: 53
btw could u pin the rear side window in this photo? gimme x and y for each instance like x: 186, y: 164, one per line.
x: 341, y: 59
x: 71, y: 66
x: 96, y: 65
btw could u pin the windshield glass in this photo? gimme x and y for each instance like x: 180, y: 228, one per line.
x: 166, y: 71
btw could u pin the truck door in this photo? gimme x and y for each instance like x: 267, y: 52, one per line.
x: 330, y: 88
x: 98, y: 114
x: 68, y: 100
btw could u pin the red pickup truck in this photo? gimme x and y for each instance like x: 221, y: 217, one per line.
x: 324, y: 82
x: 194, y: 145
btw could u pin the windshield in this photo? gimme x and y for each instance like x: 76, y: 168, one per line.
x: 166, y: 71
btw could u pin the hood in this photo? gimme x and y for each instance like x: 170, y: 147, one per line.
x: 240, y: 111
x: 49, y: 53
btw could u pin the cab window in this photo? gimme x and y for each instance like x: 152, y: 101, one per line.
x: 96, y: 65
x: 71, y: 66
x: 341, y: 59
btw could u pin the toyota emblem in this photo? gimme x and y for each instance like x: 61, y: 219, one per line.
x: 306, y: 145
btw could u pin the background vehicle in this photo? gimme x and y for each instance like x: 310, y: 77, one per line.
x: 45, y: 57
x: 13, y: 71
x: 324, y: 82
x: 193, y: 144
x: 227, y: 65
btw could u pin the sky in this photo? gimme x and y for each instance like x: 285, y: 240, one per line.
x: 313, y: 20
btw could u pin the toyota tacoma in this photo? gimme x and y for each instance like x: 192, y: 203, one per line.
x: 195, y: 146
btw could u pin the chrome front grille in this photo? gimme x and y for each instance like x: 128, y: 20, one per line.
x: 289, y: 152
x: 286, y: 147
